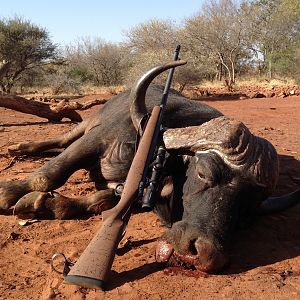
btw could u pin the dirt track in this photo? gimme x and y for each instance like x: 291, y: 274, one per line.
x: 265, y: 259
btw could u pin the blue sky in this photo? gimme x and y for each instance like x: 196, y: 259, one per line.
x: 68, y: 20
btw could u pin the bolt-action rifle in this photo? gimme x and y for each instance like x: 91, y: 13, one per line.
x: 94, y: 265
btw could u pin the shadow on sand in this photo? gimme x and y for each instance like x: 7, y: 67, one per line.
x: 273, y: 238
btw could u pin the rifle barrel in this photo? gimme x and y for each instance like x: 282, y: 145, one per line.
x: 169, y: 79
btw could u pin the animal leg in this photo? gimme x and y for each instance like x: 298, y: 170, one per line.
x: 56, y: 206
x: 11, y: 191
x: 81, y: 154
x: 31, y: 148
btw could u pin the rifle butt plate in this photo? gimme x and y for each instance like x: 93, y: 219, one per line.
x: 83, y: 281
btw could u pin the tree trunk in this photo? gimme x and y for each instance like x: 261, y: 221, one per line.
x: 4, y: 67
x: 270, y: 69
x: 43, y: 110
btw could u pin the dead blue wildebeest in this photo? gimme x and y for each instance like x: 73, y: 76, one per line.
x: 216, y: 172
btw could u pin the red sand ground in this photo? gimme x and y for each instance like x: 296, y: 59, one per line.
x: 265, y: 261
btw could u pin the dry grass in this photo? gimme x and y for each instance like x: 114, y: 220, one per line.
x: 84, y: 90
x: 89, y: 89
x: 263, y: 82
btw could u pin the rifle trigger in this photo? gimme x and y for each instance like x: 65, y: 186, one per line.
x: 67, y: 264
x: 119, y: 189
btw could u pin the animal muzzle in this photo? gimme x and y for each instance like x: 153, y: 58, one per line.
x: 200, y: 255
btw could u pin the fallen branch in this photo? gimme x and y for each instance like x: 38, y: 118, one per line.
x: 51, y: 112
x: 63, y: 104
x: 90, y: 104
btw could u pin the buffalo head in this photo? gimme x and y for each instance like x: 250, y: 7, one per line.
x: 227, y: 172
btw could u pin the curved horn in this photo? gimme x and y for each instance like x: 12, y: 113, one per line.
x: 276, y: 204
x: 232, y: 141
x: 222, y: 133
x: 138, y: 91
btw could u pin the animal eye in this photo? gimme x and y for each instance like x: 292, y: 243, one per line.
x: 206, y: 179
x: 201, y: 176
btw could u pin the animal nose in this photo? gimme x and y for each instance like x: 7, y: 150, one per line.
x: 207, y: 257
x: 200, y: 254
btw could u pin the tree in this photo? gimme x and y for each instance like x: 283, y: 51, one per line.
x: 276, y: 32
x: 217, y: 35
x: 97, y: 60
x: 152, y: 43
x: 24, y: 46
x: 151, y: 36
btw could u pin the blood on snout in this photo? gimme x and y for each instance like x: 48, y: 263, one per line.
x: 206, y: 259
x: 164, y: 251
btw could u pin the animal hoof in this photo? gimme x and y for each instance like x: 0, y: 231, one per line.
x: 18, y: 149
x: 101, y: 201
x: 30, y: 204
x: 10, y: 192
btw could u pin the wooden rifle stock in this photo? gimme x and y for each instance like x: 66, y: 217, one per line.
x: 94, y: 265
